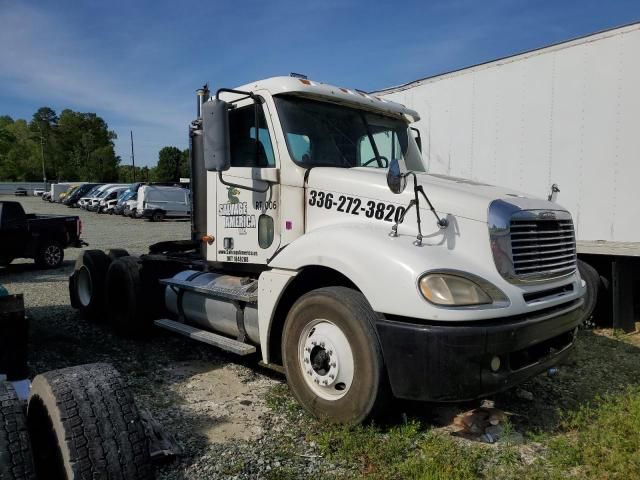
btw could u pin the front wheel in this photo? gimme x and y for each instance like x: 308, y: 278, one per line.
x: 332, y: 356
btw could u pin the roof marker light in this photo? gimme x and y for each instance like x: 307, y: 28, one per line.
x: 305, y: 81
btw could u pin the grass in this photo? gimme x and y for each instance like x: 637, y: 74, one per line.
x: 583, y: 424
x: 601, y: 440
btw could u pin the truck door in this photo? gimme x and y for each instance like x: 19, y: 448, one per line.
x: 248, y: 223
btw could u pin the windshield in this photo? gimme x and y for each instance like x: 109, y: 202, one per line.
x: 324, y: 134
x: 126, y: 195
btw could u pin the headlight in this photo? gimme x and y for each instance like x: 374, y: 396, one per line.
x: 443, y: 289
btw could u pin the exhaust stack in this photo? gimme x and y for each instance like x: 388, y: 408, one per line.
x: 198, y: 174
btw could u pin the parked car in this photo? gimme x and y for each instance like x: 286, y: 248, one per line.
x: 130, y: 207
x: 20, y: 192
x: 41, y: 237
x: 71, y: 200
x: 38, y: 192
x: 112, y: 196
x: 118, y: 209
x: 157, y: 203
x: 92, y: 202
x: 94, y: 192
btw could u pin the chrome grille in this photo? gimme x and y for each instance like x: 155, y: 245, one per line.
x: 543, y: 246
x: 531, y: 242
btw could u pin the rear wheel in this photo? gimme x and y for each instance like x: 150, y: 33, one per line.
x: 332, y: 356
x: 157, y: 216
x: 15, y: 448
x: 86, y: 284
x: 84, y: 424
x: 50, y: 255
x: 126, y: 305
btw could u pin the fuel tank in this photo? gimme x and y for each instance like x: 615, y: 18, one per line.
x: 204, y: 305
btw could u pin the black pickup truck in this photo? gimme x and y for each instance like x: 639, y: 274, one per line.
x: 41, y: 237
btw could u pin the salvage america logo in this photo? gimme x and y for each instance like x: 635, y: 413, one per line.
x: 235, y: 212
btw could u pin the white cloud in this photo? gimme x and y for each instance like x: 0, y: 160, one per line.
x: 44, y: 61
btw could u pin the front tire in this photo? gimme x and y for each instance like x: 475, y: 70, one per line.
x: 592, y: 280
x: 332, y: 356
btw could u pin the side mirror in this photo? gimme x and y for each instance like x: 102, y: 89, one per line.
x: 396, y: 180
x: 215, y: 127
x: 417, y: 137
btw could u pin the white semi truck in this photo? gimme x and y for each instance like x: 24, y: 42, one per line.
x: 566, y: 114
x: 319, y: 239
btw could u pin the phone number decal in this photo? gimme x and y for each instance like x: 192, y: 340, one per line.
x: 355, y: 206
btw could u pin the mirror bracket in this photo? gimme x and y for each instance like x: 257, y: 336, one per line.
x: 415, y: 202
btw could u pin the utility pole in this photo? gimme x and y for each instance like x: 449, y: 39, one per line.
x: 44, y: 174
x: 133, y: 158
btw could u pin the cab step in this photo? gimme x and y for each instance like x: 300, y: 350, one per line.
x: 205, y: 336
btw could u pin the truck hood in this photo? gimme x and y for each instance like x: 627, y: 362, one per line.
x: 449, y: 195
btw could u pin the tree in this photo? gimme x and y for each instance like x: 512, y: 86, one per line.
x: 169, y: 169
x: 76, y: 146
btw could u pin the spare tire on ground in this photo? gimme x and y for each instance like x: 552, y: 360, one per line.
x: 84, y: 423
x: 86, y: 284
x: 15, y: 448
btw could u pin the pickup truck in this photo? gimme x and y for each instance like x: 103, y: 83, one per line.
x: 41, y: 237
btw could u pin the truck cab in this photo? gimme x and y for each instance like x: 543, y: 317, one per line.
x: 467, y: 299
x: 327, y: 245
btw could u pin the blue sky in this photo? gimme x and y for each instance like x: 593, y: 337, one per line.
x: 138, y: 63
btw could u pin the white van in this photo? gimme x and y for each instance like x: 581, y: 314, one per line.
x: 156, y: 203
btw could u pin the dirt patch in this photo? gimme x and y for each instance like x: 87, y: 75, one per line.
x: 232, y: 404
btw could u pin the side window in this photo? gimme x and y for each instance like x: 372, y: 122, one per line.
x: 248, y: 147
x: 387, y: 144
x: 300, y: 146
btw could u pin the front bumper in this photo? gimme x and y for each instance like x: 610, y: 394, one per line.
x: 451, y: 362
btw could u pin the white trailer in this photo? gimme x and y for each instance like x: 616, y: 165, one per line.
x: 57, y: 189
x: 567, y: 114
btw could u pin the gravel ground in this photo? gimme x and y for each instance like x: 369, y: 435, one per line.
x: 233, y: 419
x: 213, y: 403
